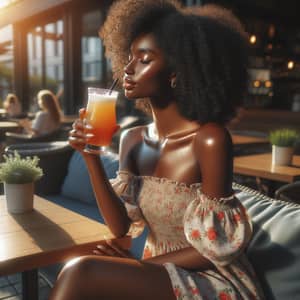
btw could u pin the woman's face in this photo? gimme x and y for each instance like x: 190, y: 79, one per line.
x: 146, y: 74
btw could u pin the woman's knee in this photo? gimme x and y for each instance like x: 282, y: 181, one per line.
x: 77, y: 268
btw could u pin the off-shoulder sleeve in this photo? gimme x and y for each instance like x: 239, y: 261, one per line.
x: 218, y: 228
x: 127, y: 187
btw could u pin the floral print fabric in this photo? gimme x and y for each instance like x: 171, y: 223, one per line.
x: 180, y: 216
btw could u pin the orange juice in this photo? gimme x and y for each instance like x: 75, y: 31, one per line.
x: 101, y: 115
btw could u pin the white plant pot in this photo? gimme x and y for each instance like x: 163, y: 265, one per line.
x: 19, y: 197
x: 282, y: 156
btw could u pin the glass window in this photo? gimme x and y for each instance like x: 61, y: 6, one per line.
x: 45, y: 60
x: 54, y: 57
x: 6, y: 62
x: 34, y: 44
x: 96, y: 70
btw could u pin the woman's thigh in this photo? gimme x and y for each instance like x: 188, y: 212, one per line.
x: 109, y: 278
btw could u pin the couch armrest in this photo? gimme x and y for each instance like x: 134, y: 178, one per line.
x: 20, y: 138
x: 289, y: 192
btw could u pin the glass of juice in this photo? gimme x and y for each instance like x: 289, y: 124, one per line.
x: 101, y: 118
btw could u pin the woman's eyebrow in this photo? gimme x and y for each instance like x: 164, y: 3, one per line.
x: 146, y: 50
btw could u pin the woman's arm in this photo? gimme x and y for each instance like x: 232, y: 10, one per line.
x: 27, y: 126
x: 214, y: 152
x: 109, y: 203
x: 187, y: 258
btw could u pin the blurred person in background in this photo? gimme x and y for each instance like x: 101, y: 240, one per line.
x: 12, y: 106
x: 47, y: 119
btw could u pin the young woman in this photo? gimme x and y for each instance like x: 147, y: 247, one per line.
x: 175, y: 173
x: 12, y: 105
x: 47, y: 119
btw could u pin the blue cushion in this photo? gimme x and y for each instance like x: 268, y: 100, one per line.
x: 77, y: 183
x: 274, y: 249
x: 89, y: 211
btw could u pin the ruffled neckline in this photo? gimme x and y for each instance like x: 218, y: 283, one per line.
x: 161, y: 180
x: 236, y: 187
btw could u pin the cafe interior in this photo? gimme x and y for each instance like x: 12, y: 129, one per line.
x: 54, y: 45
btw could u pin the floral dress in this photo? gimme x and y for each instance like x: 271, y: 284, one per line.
x: 180, y: 216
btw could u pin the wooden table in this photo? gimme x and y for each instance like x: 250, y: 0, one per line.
x: 49, y: 234
x: 245, y: 145
x: 244, y: 139
x: 259, y: 165
x: 8, y: 126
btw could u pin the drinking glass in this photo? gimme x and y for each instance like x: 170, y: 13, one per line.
x: 100, y: 118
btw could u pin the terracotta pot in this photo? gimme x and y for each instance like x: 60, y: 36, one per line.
x: 282, y: 156
x: 19, y: 197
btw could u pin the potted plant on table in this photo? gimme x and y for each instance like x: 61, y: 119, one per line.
x: 18, y: 175
x: 283, y: 143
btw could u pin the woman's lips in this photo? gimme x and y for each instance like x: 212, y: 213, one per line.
x: 128, y: 84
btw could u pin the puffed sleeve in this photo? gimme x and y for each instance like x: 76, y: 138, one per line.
x: 127, y: 187
x: 218, y: 228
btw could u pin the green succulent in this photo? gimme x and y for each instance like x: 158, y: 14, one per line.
x: 15, y: 169
x: 284, y: 137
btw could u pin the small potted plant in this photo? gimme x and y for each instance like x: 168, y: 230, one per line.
x: 283, y: 143
x: 18, y: 175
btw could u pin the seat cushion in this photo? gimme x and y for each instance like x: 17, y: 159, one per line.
x: 77, y: 183
x: 274, y: 250
x: 88, y: 210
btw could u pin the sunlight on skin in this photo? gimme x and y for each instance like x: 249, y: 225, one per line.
x: 2, y: 249
x: 72, y: 262
x: 5, y: 3
x: 209, y: 142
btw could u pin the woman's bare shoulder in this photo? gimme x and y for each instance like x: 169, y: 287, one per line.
x: 213, y: 135
x: 129, y: 139
x: 132, y: 134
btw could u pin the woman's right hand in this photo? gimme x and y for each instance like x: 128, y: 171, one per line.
x: 77, y: 136
x: 110, y: 248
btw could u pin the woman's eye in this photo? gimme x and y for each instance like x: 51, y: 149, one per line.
x: 145, y: 61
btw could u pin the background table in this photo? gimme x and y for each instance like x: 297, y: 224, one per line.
x: 268, y: 177
x: 244, y: 139
x: 47, y: 235
x: 246, y: 145
x: 260, y: 165
x: 8, y: 126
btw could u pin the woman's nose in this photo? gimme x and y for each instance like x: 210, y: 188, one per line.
x: 128, y: 69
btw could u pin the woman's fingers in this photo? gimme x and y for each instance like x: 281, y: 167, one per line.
x: 111, y: 249
x: 106, y: 250
x: 98, y: 252
x: 78, y: 124
x: 82, y: 113
x: 80, y: 134
x: 122, y: 252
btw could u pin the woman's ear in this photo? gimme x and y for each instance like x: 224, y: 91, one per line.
x: 173, y: 78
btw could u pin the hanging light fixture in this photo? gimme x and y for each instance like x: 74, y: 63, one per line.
x: 252, y: 39
x: 290, y: 65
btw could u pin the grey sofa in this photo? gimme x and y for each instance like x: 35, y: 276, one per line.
x: 274, y: 249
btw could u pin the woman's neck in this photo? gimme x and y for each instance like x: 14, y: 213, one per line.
x: 168, y: 122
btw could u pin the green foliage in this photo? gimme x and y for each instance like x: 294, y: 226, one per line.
x: 15, y: 169
x: 284, y: 137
